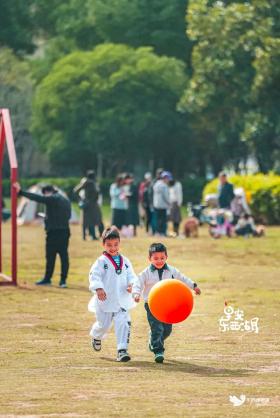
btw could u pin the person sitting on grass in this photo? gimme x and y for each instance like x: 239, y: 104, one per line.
x: 111, y: 278
x: 158, y: 270
x: 220, y: 226
x: 246, y: 227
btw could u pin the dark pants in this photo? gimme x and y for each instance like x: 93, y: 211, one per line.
x: 245, y: 230
x: 119, y: 217
x: 148, y: 219
x: 159, y: 331
x: 57, y: 243
x: 91, y: 230
x: 161, y: 221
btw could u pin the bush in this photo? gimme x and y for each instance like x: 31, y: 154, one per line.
x: 192, y: 189
x: 263, y: 195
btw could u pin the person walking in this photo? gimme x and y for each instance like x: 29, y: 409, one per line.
x: 161, y: 202
x: 176, y: 200
x: 92, y: 215
x: 145, y: 195
x: 119, y: 202
x: 133, y: 209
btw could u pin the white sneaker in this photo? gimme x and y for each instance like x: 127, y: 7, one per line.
x: 123, y: 356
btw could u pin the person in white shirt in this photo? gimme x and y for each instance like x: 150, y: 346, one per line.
x: 111, y: 278
x: 158, y: 270
x: 176, y: 200
x: 161, y: 202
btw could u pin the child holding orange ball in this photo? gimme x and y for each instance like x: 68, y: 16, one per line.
x: 158, y: 270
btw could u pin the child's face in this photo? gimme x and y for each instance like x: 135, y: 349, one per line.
x: 112, y: 246
x: 158, y: 259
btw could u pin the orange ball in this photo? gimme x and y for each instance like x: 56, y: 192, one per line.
x: 170, y: 301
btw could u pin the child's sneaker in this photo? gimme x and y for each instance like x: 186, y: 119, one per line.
x: 159, y: 357
x: 96, y: 344
x: 123, y: 356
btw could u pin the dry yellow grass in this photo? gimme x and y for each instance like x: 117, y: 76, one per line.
x: 49, y: 370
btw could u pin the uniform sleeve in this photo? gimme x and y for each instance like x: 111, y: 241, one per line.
x: 37, y: 197
x: 95, y: 276
x: 131, y: 276
x: 178, y: 275
x: 139, y: 284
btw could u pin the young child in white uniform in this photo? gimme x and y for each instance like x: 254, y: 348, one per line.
x: 111, y: 278
x: 158, y: 270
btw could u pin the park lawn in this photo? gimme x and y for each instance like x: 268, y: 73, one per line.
x: 48, y: 368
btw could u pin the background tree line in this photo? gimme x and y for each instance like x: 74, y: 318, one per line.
x: 189, y: 85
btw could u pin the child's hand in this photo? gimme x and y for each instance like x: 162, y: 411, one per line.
x: 137, y: 298
x: 197, y: 291
x: 129, y: 288
x: 101, y: 294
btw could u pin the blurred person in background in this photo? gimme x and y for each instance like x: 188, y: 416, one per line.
x: 176, y: 200
x: 88, y: 193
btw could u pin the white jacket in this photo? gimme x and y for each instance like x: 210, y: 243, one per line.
x: 161, y: 195
x: 176, y: 193
x: 103, y: 275
x: 149, y: 277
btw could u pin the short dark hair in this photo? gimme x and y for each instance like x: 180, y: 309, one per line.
x: 110, y: 233
x: 48, y: 188
x: 157, y: 247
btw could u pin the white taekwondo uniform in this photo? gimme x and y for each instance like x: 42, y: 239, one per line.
x: 105, y: 274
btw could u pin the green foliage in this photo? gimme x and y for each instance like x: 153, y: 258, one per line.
x: 229, y: 109
x: 156, y: 23
x: 16, y: 94
x: 262, y: 191
x: 116, y: 101
x: 17, y: 25
x: 193, y: 188
x: 232, y: 92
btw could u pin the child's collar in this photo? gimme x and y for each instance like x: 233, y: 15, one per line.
x: 153, y: 268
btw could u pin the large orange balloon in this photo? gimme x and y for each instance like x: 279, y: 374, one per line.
x: 170, y: 301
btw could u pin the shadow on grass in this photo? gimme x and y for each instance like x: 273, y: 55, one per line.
x: 184, y: 367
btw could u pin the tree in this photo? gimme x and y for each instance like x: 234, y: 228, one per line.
x: 116, y: 101
x: 156, y: 23
x: 16, y: 94
x: 83, y: 24
x: 221, y: 93
x: 17, y: 25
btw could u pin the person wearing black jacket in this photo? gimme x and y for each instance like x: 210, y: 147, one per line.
x: 58, y: 213
x: 225, y: 192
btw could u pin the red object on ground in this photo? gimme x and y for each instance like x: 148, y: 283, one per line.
x: 170, y: 301
x: 6, y: 136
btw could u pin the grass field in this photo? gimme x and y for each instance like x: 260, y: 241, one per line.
x: 48, y: 368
